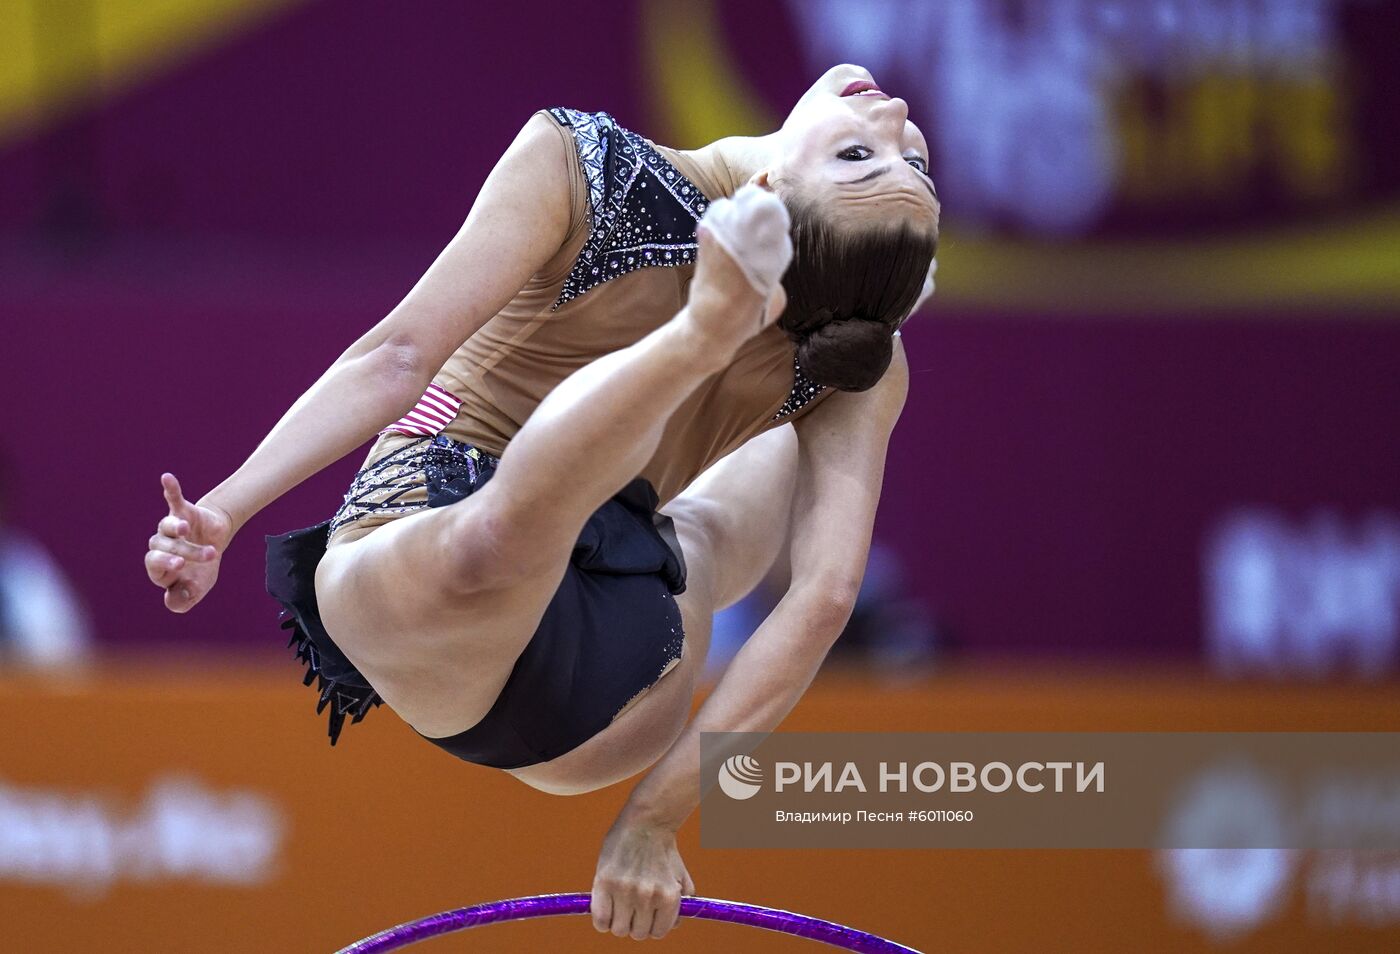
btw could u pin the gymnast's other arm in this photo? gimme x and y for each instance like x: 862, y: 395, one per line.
x: 519, y: 220
x: 841, y: 462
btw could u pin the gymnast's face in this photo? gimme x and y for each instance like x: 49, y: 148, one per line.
x: 852, y: 149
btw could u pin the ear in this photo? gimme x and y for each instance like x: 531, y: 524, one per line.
x: 764, y: 179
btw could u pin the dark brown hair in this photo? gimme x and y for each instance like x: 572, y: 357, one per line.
x: 847, y: 290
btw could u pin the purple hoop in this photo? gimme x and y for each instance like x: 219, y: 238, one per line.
x: 549, y: 905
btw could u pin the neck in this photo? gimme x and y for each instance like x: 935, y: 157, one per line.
x: 743, y: 155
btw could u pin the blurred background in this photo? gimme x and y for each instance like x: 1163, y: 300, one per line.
x: 1148, y: 476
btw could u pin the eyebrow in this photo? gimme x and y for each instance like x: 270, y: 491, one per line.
x: 878, y: 172
x: 881, y: 171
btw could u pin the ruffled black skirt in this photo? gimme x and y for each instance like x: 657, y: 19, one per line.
x: 610, y: 631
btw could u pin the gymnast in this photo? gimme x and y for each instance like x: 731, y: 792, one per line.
x: 632, y: 377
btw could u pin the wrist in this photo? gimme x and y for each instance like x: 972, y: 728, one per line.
x: 235, y: 520
x: 648, y: 812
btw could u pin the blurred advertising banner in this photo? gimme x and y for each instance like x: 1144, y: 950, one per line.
x: 1093, y: 154
x: 1152, y: 404
x: 1316, y: 597
x: 160, y: 810
x: 1248, y: 142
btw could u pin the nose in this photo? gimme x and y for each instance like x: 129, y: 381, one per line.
x: 852, y: 68
x: 899, y: 110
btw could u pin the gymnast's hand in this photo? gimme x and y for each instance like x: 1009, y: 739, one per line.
x: 640, y: 878
x: 183, y: 555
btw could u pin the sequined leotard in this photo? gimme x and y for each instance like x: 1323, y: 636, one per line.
x: 614, y: 627
x: 623, y: 270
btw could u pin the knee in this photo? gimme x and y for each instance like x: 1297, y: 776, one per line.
x: 699, y: 527
x: 492, y: 549
x: 700, y: 524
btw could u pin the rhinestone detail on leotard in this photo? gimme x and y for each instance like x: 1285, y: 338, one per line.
x: 642, y: 210
x: 642, y: 213
x: 397, y: 483
x: 804, y: 389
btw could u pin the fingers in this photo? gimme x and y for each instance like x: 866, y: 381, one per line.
x: 668, y: 910
x: 687, y: 884
x: 163, y: 568
x: 173, y: 526
x: 166, y: 543
x: 601, y: 908
x: 620, y: 924
x: 612, y: 907
x: 170, y: 552
x: 638, y: 911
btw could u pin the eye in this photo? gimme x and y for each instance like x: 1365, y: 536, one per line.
x: 854, y: 154
x: 918, y: 162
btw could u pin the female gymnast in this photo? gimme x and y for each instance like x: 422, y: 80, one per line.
x: 632, y: 376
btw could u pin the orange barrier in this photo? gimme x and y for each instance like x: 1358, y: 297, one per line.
x: 164, y: 810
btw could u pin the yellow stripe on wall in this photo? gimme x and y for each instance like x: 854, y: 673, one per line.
x: 700, y: 95
x: 53, y: 53
x: 1349, y: 263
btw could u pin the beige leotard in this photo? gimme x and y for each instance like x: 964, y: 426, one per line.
x: 573, y: 311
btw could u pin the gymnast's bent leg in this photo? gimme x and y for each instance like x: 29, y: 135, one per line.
x: 733, y: 521
x: 435, y: 608
x: 600, y: 426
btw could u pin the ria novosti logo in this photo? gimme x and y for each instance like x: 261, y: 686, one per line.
x: 740, y: 777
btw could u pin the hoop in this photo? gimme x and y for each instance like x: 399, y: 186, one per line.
x: 550, y: 905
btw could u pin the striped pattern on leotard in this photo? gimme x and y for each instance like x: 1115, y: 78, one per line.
x: 435, y: 410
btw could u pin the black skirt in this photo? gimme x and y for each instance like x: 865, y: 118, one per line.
x: 610, y: 631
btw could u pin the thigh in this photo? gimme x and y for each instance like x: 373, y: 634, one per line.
x: 737, y: 514
x: 436, y: 650
x: 732, y: 522
x: 643, y: 732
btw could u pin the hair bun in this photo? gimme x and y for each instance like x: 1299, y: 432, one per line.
x: 850, y: 354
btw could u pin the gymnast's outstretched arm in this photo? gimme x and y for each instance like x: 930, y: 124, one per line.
x: 519, y: 220
x: 841, y: 462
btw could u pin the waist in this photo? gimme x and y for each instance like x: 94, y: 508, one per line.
x: 410, y: 473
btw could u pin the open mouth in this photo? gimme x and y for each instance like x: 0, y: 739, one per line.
x: 864, y: 88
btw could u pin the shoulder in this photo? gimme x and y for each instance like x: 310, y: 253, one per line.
x: 578, y: 118
x: 601, y: 141
x: 577, y: 132
x: 542, y: 133
x: 586, y: 123
x: 591, y: 141
x: 544, y: 157
x: 540, y: 143
x: 594, y: 133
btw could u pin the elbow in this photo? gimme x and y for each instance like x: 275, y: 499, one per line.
x: 830, y: 600
x: 396, y: 374
x: 401, y: 359
x: 840, y: 602
x: 400, y: 369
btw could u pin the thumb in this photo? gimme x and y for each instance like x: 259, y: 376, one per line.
x: 174, y: 496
